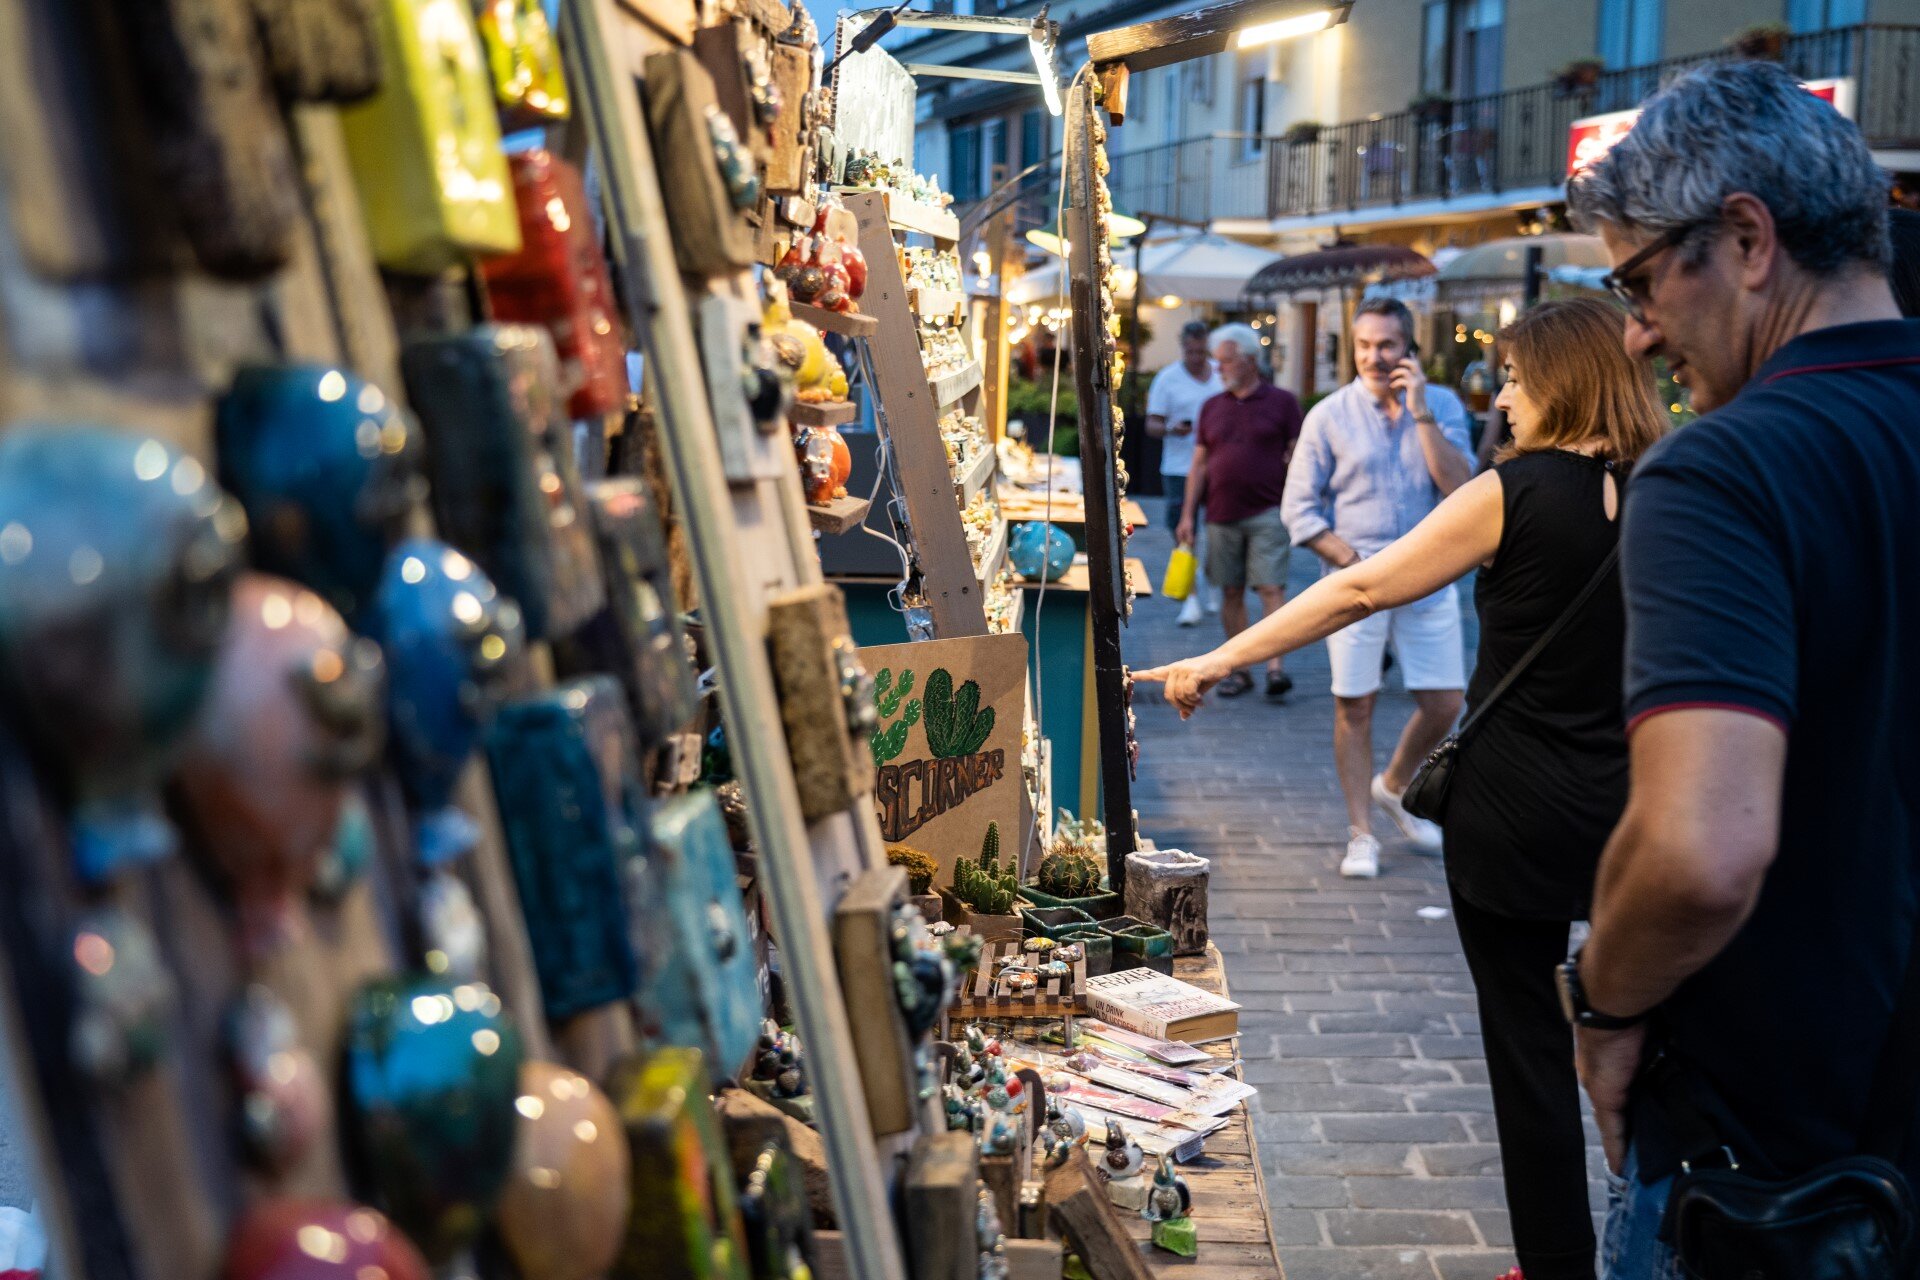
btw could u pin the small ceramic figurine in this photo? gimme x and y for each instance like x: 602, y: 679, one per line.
x: 1038, y: 945
x: 1124, y: 1157
x: 1066, y: 1123
x: 1169, y: 1209
x: 117, y: 555
x: 283, y: 1097
x: 779, y: 1074
x: 563, y: 1214
x: 923, y: 974
x: 124, y: 998
x: 319, y: 1240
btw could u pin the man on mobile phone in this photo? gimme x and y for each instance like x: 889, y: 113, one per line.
x: 1373, y: 459
x: 1173, y: 413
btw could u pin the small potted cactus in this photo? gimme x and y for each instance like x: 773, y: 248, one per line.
x: 1072, y: 874
x: 921, y: 868
x: 983, y: 893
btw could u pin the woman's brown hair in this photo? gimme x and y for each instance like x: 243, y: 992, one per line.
x: 1582, y: 380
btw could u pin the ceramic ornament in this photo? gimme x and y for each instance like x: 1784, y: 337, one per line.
x: 563, y: 1214
x: 296, y: 711
x: 328, y: 467
x: 430, y: 1081
x: 116, y: 558
x: 283, y: 1099
x: 319, y: 1240
x: 451, y: 926
x: 124, y: 999
x: 347, y: 854
x: 449, y: 637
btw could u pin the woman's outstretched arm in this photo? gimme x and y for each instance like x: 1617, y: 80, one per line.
x: 1463, y: 531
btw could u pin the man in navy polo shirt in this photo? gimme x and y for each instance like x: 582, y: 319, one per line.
x: 1756, y: 907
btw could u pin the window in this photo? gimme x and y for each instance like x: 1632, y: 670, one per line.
x: 1199, y: 79
x: 1825, y: 15
x: 1461, y: 47
x: 1630, y: 32
x: 1434, y: 69
x: 993, y: 155
x: 1033, y: 138
x: 963, y: 161
x: 1252, y: 116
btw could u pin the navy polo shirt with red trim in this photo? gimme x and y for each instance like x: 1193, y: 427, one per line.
x: 1771, y: 565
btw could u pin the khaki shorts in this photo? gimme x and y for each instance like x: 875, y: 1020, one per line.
x: 1249, y: 553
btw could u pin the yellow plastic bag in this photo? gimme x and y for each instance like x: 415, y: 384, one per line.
x: 1181, y: 567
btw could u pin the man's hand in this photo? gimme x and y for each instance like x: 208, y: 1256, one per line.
x: 1183, y: 532
x: 1607, y: 1061
x: 1332, y: 548
x: 1184, y: 427
x: 1187, y: 681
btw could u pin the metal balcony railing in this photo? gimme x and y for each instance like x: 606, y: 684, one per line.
x: 1501, y: 142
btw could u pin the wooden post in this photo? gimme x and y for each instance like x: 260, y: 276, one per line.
x: 1306, y: 338
x: 996, y: 236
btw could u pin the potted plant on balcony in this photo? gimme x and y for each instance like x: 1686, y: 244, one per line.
x: 1301, y: 133
x: 1431, y: 108
x: 1578, y: 78
x: 1762, y: 42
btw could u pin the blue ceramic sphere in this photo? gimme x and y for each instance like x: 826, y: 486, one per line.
x: 117, y: 560
x: 328, y: 468
x: 1039, y: 551
x: 449, y: 637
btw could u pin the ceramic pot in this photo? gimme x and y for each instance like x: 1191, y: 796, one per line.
x: 431, y: 1075
x: 563, y: 1214
x: 449, y: 637
x: 328, y: 468
x: 296, y: 710
x: 319, y: 1240
x: 283, y: 1099
x: 1095, y: 942
x: 117, y: 555
x: 1051, y: 922
x: 1040, y: 552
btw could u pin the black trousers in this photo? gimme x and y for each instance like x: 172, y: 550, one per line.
x: 1536, y: 1095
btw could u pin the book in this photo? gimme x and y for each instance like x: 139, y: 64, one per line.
x: 1166, y: 1008
x: 1167, y: 1051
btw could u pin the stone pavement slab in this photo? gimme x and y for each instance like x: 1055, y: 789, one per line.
x: 1359, y: 1026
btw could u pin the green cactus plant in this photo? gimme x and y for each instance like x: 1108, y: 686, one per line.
x: 886, y: 744
x: 957, y: 725
x: 980, y: 882
x: 1069, y: 871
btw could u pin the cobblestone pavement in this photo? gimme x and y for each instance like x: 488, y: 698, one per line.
x: 1374, y: 1120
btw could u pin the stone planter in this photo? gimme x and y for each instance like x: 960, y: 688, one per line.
x: 1138, y: 944
x: 1049, y: 922
x: 1168, y: 888
x: 1096, y: 943
x: 1100, y: 906
x: 984, y: 927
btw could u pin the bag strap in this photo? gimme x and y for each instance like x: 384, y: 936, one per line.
x: 1896, y: 1076
x: 1519, y: 668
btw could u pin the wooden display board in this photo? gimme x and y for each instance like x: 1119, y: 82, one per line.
x: 948, y: 748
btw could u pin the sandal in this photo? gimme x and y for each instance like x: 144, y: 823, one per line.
x: 1279, y: 685
x: 1234, y: 685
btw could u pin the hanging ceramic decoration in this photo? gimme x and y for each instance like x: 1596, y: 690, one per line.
x: 563, y: 1215
x: 559, y: 280
x: 685, y: 1223
x: 124, y: 998
x: 573, y: 811
x: 1040, y: 552
x: 637, y: 636
x: 116, y: 558
x: 448, y: 636
x: 431, y: 1075
x: 283, y: 1099
x: 524, y: 59
x: 328, y: 468
x: 425, y: 149
x: 319, y: 1240
x: 700, y: 989
x: 295, y: 713
x: 347, y: 856
x: 500, y: 455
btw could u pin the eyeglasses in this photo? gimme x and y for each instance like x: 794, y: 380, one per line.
x: 1635, y: 289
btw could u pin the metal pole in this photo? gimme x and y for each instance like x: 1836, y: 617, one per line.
x: 1530, y: 289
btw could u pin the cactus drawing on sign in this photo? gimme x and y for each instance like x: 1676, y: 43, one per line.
x: 981, y: 883
x: 888, y: 743
x: 957, y: 725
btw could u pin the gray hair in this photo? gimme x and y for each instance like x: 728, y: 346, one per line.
x: 1240, y: 335
x: 1743, y: 127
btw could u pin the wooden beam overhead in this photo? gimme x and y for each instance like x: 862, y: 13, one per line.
x: 1201, y: 33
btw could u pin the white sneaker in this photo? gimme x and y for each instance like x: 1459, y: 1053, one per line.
x: 1363, y: 857
x: 1425, y: 836
x: 1189, y: 612
x: 1213, y: 603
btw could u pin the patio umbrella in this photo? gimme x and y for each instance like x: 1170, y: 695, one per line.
x: 1197, y: 267
x: 1341, y: 267
x: 1504, y: 261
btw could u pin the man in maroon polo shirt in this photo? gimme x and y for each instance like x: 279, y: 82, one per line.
x: 1239, y: 473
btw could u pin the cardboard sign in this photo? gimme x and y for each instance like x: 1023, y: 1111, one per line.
x: 947, y: 753
x: 1591, y: 137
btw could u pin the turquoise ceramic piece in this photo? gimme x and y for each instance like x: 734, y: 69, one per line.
x: 1097, y: 944
x: 573, y: 809
x: 117, y: 560
x: 449, y: 637
x: 1039, y: 551
x: 1053, y: 922
x: 328, y: 468
x: 346, y: 859
x: 430, y: 1079
x: 1101, y: 906
x: 700, y: 989
x: 1139, y: 945
x: 500, y: 455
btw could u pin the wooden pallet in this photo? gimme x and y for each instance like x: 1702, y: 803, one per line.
x: 981, y: 997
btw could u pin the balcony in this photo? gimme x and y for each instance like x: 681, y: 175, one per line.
x: 1476, y: 147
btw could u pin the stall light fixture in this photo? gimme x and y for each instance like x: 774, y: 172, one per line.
x: 1040, y: 39
x: 1170, y: 301
x: 1285, y: 29
x: 1213, y: 29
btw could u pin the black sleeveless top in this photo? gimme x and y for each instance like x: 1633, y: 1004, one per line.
x: 1542, y: 781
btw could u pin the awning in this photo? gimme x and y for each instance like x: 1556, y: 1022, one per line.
x: 1505, y: 260
x: 1195, y: 267
x: 1344, y: 266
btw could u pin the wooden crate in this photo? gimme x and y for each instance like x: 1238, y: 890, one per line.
x: 1053, y: 998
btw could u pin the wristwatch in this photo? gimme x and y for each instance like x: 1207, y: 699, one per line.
x: 1573, y: 1002
x: 1427, y: 418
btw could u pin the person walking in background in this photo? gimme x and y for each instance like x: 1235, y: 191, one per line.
x: 1541, y: 774
x: 1752, y: 957
x: 1373, y: 459
x: 1173, y: 416
x: 1239, y: 473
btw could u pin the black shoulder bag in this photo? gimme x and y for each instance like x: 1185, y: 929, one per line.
x: 1426, y: 795
x: 1848, y: 1219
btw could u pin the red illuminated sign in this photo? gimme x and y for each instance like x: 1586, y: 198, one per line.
x: 1591, y: 137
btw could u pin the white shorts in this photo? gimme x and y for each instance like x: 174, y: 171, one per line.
x: 1426, y: 643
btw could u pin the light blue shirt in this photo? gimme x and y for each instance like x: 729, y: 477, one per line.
x: 1362, y: 475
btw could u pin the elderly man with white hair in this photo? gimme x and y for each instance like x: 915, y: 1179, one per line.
x: 1239, y: 473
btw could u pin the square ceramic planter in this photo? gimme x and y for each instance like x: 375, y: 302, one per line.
x: 1168, y: 887
x: 1139, y: 945
x: 1047, y: 922
x: 1097, y: 944
x: 1100, y: 906
x: 984, y: 927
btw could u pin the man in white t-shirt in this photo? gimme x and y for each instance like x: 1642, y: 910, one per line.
x: 1173, y: 414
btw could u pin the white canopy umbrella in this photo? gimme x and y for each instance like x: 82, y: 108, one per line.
x: 1194, y: 267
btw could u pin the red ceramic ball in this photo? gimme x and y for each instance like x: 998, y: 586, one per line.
x: 320, y: 1240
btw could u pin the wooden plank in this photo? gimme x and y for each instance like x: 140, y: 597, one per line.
x: 862, y: 946
x: 1198, y: 33
x: 949, y: 387
x: 994, y: 555
x: 977, y: 476
x: 854, y: 324
x: 834, y: 413
x: 937, y: 303
x: 942, y: 1199
x: 1078, y: 1208
x: 839, y: 515
x: 906, y: 214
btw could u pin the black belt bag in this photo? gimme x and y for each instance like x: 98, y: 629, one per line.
x: 1848, y: 1219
